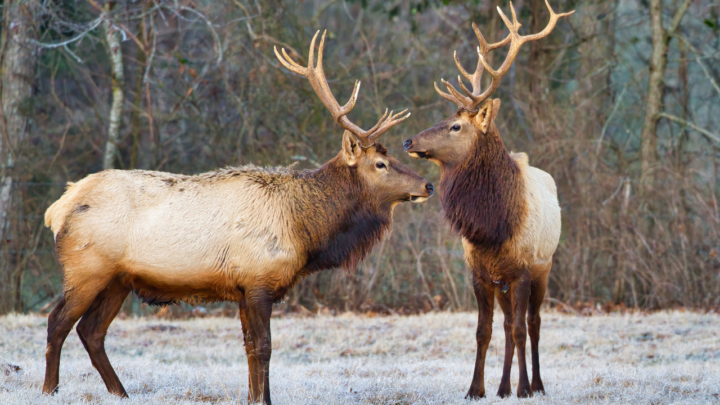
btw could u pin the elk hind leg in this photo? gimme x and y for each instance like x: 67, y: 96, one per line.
x: 92, y: 330
x: 76, y: 300
x: 253, y: 383
x: 520, y: 296
x: 537, y: 294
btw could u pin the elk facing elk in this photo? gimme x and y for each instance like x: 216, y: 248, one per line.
x: 238, y: 234
x: 505, y: 210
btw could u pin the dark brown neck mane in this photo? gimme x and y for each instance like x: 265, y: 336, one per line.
x: 483, y: 197
x: 337, y: 222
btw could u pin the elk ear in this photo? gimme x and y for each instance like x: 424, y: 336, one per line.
x: 485, y: 116
x: 351, y: 148
x: 496, y: 108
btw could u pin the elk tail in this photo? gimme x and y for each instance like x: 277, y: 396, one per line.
x: 57, y: 213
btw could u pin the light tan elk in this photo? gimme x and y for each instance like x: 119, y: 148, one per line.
x: 505, y: 210
x: 240, y: 234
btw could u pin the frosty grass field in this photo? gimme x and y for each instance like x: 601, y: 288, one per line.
x: 661, y: 358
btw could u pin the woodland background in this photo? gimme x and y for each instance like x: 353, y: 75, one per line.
x: 619, y: 104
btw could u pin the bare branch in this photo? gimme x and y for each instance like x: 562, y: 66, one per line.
x: 609, y: 118
x: 699, y: 62
x: 91, y: 26
x: 703, y: 131
x: 679, y: 14
x: 152, y: 51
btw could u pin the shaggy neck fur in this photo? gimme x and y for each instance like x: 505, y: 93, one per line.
x: 483, y: 196
x: 337, y: 222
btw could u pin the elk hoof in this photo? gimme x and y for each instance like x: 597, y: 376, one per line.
x: 504, y: 391
x: 524, y: 392
x: 474, y: 393
x: 537, y: 387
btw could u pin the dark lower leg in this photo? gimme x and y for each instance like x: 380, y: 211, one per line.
x: 60, y: 322
x: 505, y: 389
x: 57, y: 332
x: 534, y: 332
x: 520, y: 290
x: 537, y: 295
x: 484, y: 296
x: 92, y: 330
x: 259, y: 309
x: 253, y: 390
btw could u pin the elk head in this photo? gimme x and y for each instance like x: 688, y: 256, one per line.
x: 449, y: 142
x: 385, y: 177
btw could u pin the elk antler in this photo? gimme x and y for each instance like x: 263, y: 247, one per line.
x: 316, y: 77
x: 474, y: 98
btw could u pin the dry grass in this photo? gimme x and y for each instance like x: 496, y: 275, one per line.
x: 662, y: 358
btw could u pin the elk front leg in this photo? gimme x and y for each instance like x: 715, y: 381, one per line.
x: 520, y: 290
x: 484, y: 296
x: 505, y: 388
x: 249, y: 351
x: 259, y: 309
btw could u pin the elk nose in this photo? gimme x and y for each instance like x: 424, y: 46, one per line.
x: 430, y: 188
x: 406, y: 145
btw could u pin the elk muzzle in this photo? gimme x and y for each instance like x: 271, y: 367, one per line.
x: 413, y: 150
x: 429, y: 189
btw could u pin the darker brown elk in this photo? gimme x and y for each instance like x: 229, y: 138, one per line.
x: 506, y: 211
x: 240, y: 234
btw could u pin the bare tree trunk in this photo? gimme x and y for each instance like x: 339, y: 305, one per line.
x: 6, y: 303
x: 16, y: 85
x: 118, y: 81
x: 656, y: 82
x: 658, y: 62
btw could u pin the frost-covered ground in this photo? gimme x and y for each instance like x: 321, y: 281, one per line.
x: 662, y: 358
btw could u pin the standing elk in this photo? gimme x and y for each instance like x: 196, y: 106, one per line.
x: 506, y: 211
x: 241, y: 234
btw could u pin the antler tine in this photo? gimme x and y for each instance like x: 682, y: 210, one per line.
x: 338, y: 113
x: 551, y: 24
x: 462, y: 86
x: 460, y: 68
x: 484, y: 45
x: 447, y: 97
x: 319, y: 79
x: 463, y: 101
x: 390, y: 122
x: 344, y: 110
x: 473, y: 78
x: 516, y: 41
x: 289, y: 63
x: 382, y: 119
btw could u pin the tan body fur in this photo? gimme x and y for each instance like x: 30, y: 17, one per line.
x: 177, y: 237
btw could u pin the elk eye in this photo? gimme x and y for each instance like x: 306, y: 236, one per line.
x: 455, y: 127
x: 380, y: 165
